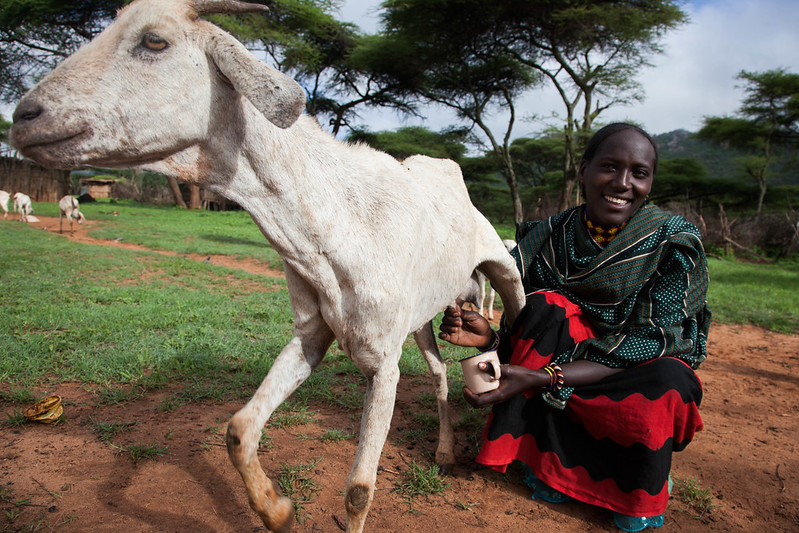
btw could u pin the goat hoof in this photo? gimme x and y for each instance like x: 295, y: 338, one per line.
x: 284, y: 523
x: 446, y: 469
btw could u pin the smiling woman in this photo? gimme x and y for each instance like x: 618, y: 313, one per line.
x: 616, y: 174
x: 600, y: 389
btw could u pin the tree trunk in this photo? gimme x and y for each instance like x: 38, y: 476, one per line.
x: 175, y: 188
x: 725, y: 232
x: 762, y: 183
x: 513, y: 185
x: 194, y: 197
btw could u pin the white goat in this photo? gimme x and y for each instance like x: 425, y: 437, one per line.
x: 69, y: 207
x: 23, y: 206
x: 367, y: 242
x: 4, y: 197
x: 510, y: 244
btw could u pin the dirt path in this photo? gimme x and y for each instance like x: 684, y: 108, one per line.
x: 81, y: 234
x: 69, y: 480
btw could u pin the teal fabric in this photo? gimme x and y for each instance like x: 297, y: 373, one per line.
x: 644, y: 292
x: 637, y: 523
x: 542, y: 491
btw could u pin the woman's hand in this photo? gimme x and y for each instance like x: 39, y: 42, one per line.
x: 465, y: 328
x: 518, y: 379
x: 513, y: 381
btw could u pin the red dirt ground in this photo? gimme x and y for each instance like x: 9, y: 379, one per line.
x: 68, y: 480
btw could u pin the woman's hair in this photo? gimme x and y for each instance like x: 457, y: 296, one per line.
x: 600, y: 136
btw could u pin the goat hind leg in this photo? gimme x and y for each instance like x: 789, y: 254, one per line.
x: 378, y: 408
x: 445, y: 452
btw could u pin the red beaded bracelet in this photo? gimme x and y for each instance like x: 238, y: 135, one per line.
x: 556, y: 377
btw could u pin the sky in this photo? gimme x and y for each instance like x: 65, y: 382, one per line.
x: 694, y: 77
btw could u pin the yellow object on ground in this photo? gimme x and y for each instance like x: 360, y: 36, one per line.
x: 46, y: 411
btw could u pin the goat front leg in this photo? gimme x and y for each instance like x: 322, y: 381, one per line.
x: 481, y: 297
x: 445, y: 452
x: 378, y: 408
x: 290, y: 369
x: 492, y: 294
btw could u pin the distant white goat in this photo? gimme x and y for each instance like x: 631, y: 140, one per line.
x: 510, y: 244
x: 69, y: 207
x: 4, y: 197
x: 368, y: 243
x: 23, y: 206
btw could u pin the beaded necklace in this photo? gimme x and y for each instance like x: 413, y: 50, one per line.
x: 601, y: 235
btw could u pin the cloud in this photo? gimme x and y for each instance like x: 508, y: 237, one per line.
x: 696, y: 76
x: 693, y: 78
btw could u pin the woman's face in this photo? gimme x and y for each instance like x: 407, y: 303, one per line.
x: 618, y: 178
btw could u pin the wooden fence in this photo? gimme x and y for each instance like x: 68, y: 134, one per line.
x: 41, y: 184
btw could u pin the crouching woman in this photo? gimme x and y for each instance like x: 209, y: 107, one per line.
x: 599, y: 387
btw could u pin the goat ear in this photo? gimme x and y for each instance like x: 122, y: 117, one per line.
x: 277, y: 96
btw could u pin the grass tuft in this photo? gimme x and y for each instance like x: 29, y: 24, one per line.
x: 297, y: 482
x: 139, y: 452
x: 699, y: 501
x: 108, y: 430
x: 420, y: 481
x: 16, y: 418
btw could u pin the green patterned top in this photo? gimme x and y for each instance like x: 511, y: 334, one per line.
x: 644, y: 292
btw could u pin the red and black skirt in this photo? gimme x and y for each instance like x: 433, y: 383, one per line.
x: 611, y: 445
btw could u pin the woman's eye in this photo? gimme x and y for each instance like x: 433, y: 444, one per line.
x: 153, y: 42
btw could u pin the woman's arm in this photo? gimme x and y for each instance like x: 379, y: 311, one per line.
x: 518, y: 379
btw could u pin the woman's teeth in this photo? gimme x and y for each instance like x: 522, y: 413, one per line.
x: 616, y: 201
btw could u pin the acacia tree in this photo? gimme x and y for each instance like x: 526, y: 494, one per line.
x: 767, y: 120
x: 304, y: 40
x: 448, y: 53
x: 589, y: 50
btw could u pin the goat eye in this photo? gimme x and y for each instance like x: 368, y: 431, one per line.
x: 153, y: 42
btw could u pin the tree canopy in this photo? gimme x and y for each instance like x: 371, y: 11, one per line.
x: 303, y: 39
x: 767, y: 120
x: 36, y: 34
x: 478, y: 56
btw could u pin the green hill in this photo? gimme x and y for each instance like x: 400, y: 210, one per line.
x: 720, y: 161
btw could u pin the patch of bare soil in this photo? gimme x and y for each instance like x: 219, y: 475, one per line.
x: 64, y: 478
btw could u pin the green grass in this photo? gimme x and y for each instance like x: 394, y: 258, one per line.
x: 176, y: 229
x: 108, y: 430
x: 762, y: 295
x: 15, y: 418
x: 118, y: 317
x: 420, y: 481
x: 127, y: 323
x: 336, y: 435
x: 296, y: 481
x: 699, y: 502
x: 139, y: 452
